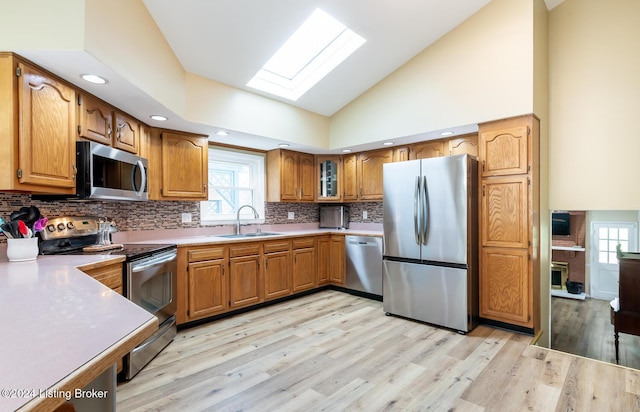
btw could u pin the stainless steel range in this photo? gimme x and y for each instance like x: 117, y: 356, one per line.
x: 149, y: 278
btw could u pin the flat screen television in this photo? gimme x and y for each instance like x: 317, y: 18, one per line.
x: 560, y: 224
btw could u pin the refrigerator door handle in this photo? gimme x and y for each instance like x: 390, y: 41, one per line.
x: 416, y: 209
x: 425, y: 210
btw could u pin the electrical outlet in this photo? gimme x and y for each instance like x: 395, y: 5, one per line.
x: 186, y: 218
x: 364, y: 214
x: 291, y: 215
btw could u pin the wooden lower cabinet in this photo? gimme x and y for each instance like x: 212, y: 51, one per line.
x: 109, y: 275
x: 245, y: 276
x: 277, y: 269
x: 324, y: 260
x: 203, y: 287
x: 207, y: 288
x: 505, y: 294
x: 304, y: 264
x: 219, y: 278
x: 337, y: 261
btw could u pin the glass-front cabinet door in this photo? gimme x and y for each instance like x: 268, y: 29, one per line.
x: 329, y: 171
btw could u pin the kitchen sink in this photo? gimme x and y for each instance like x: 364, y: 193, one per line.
x: 250, y: 235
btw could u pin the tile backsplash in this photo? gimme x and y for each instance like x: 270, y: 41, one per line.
x: 132, y: 216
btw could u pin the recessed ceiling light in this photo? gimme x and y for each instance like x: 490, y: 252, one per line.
x: 94, y: 78
x: 447, y: 133
x: 387, y: 144
x: 222, y: 133
x: 158, y: 117
x: 317, y: 47
x: 283, y: 145
x: 346, y: 150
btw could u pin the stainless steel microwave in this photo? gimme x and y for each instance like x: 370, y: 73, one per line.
x: 106, y: 173
x: 336, y: 217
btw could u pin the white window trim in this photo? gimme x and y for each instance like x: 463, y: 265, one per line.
x: 224, y: 154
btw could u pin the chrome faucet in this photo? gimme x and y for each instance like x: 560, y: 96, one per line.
x: 255, y: 214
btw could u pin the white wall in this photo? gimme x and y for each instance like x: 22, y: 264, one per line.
x: 482, y: 70
x: 594, y: 100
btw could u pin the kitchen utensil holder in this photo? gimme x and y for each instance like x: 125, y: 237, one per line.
x: 22, y: 249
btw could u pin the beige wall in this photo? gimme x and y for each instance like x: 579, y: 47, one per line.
x: 594, y: 101
x: 28, y: 25
x: 123, y: 35
x: 482, y: 70
x: 214, y: 103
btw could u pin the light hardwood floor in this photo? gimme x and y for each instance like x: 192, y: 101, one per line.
x: 337, y: 352
x: 584, y: 328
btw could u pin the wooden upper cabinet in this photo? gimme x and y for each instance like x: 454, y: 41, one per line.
x: 467, y: 144
x: 290, y: 176
x: 425, y: 150
x: 401, y: 154
x: 47, y: 124
x: 349, y: 177
x: 505, y: 151
x: 307, y: 165
x: 184, y: 166
x: 504, y: 212
x: 102, y: 123
x: 369, y: 173
x: 126, y: 133
x: 95, y: 120
x: 329, y: 178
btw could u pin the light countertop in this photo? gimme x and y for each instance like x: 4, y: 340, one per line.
x: 61, y: 328
x: 181, y: 239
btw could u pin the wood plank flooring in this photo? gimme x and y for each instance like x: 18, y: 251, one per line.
x: 584, y: 328
x: 331, y: 351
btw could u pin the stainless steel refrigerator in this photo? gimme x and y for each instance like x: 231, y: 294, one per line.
x: 430, y: 258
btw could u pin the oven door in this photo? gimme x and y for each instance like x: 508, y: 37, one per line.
x: 152, y: 284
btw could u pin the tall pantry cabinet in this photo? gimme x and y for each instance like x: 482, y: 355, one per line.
x: 509, y: 222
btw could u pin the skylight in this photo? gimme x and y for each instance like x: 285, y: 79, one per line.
x: 319, y: 45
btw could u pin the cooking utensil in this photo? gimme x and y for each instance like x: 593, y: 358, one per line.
x: 11, y: 230
x: 23, y: 229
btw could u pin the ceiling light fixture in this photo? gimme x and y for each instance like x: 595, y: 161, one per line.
x: 158, y: 117
x: 317, y: 47
x: 94, y: 78
x: 222, y: 133
x: 387, y: 144
x: 346, y: 150
x: 283, y: 145
x: 447, y: 133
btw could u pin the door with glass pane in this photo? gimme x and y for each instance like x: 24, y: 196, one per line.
x: 604, y: 262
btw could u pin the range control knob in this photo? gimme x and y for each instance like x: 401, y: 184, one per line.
x: 70, y: 225
x: 60, y: 226
x: 51, y: 228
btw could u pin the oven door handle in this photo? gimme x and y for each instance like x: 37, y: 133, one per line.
x: 155, y: 262
x: 157, y: 335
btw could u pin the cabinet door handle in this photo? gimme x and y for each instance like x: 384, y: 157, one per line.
x: 109, y: 131
x: 204, y: 188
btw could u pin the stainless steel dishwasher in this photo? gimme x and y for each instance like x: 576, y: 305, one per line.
x: 364, y: 264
